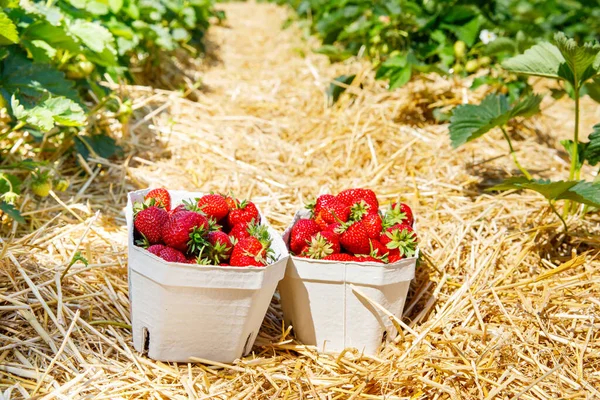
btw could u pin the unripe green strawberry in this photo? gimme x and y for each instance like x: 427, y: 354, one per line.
x: 61, y: 185
x: 460, y: 49
x: 472, y: 66
x: 41, y: 188
x: 484, y: 61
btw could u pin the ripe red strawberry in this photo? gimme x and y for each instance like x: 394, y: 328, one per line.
x: 368, y: 259
x: 249, y: 251
x: 245, y: 212
x: 378, y: 249
x: 330, y: 211
x: 400, y: 213
x: 321, y: 245
x: 232, y: 202
x: 239, y: 232
x: 402, y: 238
x: 401, y: 227
x: 214, y: 205
x: 394, y: 256
x: 350, y: 196
x: 177, y: 209
x: 370, y: 198
x: 172, y: 255
x: 339, y: 257
x: 301, y: 234
x: 150, y: 223
x: 192, y: 260
x: 373, y: 225
x: 186, y: 231
x: 354, y: 196
x: 303, y: 252
x: 156, y: 249
x: 161, y: 197
x: 219, y: 248
x: 261, y: 233
x: 355, y: 239
x: 333, y: 227
x: 322, y: 201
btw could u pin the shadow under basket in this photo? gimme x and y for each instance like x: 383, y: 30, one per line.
x: 337, y: 305
x: 179, y: 311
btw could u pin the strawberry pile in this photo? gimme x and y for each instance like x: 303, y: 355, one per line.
x: 211, y: 230
x: 350, y: 227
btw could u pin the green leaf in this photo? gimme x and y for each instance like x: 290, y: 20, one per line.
x: 592, y: 89
x: 50, y: 112
x: 592, y: 151
x: 41, y: 51
x: 468, y: 32
x: 335, y: 91
x: 101, y: 145
x: 334, y: 53
x: 580, y: 59
x: 91, y: 6
x: 585, y: 193
x: 400, y: 77
x: 115, y: 5
x: 8, y: 30
x: 55, y: 36
x: 9, y: 183
x: 33, y: 82
x: 96, y: 37
x: 470, y: 121
x: 12, y: 212
x: 543, y: 59
x: 9, y: 3
x: 501, y: 45
x: 578, y: 191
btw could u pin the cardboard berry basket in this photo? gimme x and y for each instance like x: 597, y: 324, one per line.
x: 179, y: 311
x: 336, y: 305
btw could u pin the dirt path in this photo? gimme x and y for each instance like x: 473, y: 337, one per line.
x: 262, y: 128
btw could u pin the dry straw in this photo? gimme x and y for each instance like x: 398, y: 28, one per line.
x: 504, y: 305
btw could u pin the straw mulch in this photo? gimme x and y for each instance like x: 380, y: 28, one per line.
x: 504, y: 305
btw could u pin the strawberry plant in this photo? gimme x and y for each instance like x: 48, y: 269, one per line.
x: 574, y: 66
x: 408, y: 37
x: 350, y: 227
x: 53, y: 54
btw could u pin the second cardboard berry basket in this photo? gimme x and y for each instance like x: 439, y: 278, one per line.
x: 180, y: 311
x: 335, y: 305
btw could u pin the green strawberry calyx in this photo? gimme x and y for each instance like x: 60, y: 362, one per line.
x: 403, y: 240
x: 319, y: 247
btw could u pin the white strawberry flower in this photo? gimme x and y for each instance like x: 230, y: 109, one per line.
x: 487, y: 36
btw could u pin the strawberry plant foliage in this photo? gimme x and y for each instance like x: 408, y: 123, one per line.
x: 470, y: 121
x: 565, y: 61
x: 8, y: 30
x: 53, y: 55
